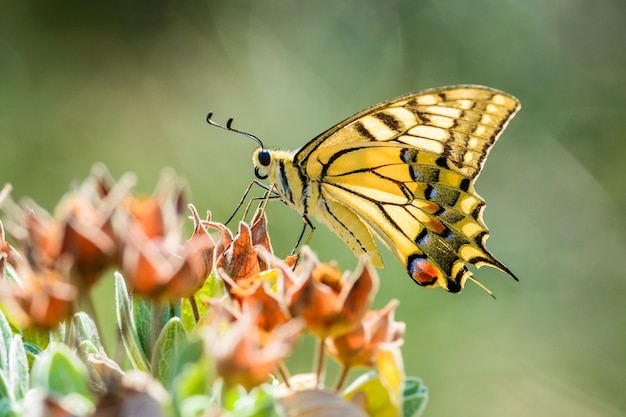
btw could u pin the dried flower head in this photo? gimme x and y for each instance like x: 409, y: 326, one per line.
x: 359, y: 346
x: 244, y: 354
x: 162, y: 269
x: 41, y: 299
x: 331, y: 303
x: 79, y: 233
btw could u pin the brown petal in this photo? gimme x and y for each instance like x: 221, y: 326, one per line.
x: 240, y: 260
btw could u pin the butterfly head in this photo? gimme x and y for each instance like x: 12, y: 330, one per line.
x: 262, y: 160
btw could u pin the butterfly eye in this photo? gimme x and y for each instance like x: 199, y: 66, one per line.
x: 264, y: 157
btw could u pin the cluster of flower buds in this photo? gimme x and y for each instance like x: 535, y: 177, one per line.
x: 271, y: 303
x: 97, y: 226
x: 248, y: 332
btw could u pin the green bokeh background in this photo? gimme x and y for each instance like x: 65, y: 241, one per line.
x: 129, y: 83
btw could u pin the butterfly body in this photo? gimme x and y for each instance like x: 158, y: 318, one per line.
x: 403, y: 171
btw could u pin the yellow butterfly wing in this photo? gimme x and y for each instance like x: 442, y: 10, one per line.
x: 405, y: 169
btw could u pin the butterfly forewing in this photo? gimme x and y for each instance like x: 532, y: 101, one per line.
x: 405, y: 169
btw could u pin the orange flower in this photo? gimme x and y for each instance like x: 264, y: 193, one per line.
x: 79, y: 234
x: 160, y: 269
x: 43, y: 299
x: 245, y: 355
x: 239, y: 262
x: 259, y: 297
x: 360, y: 346
x: 159, y: 215
x: 331, y: 304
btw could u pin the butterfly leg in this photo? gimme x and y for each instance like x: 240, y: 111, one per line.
x: 308, y: 223
x: 270, y: 194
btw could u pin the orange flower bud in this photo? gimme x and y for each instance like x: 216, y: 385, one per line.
x: 245, y: 355
x: 79, y: 234
x: 162, y: 271
x: 331, y: 304
x: 239, y: 262
x: 44, y: 300
x: 376, y: 329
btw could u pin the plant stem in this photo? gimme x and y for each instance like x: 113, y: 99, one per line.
x: 284, y: 373
x: 194, y: 308
x: 319, y: 363
x: 342, y: 378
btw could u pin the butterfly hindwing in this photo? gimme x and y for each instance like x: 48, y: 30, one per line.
x: 435, y: 218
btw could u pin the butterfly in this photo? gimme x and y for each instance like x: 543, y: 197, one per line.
x: 403, y: 171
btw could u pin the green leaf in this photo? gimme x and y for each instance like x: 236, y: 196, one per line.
x: 259, y: 402
x: 18, y: 368
x: 32, y: 351
x: 5, y: 340
x: 60, y: 372
x: 197, y: 405
x: 8, y: 408
x: 86, y: 348
x: 6, y: 390
x: 142, y: 314
x: 415, y: 397
x: 229, y: 396
x: 126, y: 325
x: 11, y: 276
x: 86, y: 329
x: 166, y: 349
x: 37, y: 337
x: 194, y: 375
x: 213, y: 287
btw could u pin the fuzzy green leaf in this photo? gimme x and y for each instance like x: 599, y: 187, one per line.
x: 8, y: 408
x: 10, y: 275
x: 126, y: 325
x: 194, y: 374
x: 60, y: 372
x: 197, y: 405
x: 32, y: 351
x: 142, y: 315
x: 258, y: 403
x: 18, y: 368
x: 415, y: 397
x: 166, y: 349
x: 37, y: 337
x: 86, y: 329
x: 5, y: 340
x: 6, y: 390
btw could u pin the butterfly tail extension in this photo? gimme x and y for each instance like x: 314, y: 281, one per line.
x: 494, y: 263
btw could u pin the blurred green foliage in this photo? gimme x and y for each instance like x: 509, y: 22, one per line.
x: 129, y: 83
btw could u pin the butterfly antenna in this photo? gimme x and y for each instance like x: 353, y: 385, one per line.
x: 485, y: 289
x: 230, y: 127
